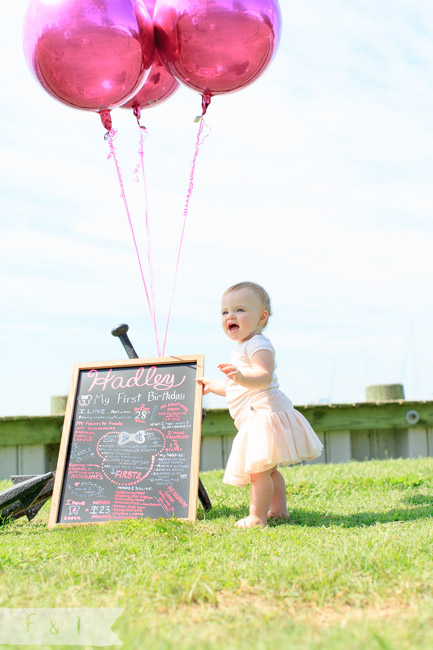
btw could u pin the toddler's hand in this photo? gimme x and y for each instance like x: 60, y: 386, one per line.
x: 231, y: 372
x: 206, y: 383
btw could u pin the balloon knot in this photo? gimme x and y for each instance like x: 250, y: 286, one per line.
x: 106, y: 119
x: 137, y: 113
x: 205, y: 101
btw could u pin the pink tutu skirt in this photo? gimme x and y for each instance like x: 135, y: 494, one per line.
x: 270, y: 433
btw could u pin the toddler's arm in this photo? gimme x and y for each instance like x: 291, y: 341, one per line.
x: 260, y: 374
x: 212, y: 386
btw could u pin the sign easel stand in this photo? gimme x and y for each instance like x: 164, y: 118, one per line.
x: 121, y: 332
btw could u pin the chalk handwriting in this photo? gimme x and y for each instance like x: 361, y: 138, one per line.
x: 152, y: 378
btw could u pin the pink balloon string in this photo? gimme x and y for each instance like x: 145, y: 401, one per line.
x: 143, y: 134
x: 111, y: 136
x: 199, y: 141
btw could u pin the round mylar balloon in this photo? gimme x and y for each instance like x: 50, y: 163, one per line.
x: 89, y: 54
x: 217, y: 47
x: 159, y: 85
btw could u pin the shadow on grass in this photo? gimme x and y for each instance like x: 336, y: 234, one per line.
x: 310, y: 518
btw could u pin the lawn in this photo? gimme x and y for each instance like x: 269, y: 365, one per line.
x: 352, y: 570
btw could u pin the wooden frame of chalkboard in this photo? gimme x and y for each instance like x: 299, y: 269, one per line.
x: 130, y: 444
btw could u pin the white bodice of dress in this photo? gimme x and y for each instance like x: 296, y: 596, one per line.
x: 239, y: 396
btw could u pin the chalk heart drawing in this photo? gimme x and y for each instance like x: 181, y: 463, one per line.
x: 84, y: 400
x: 128, y: 457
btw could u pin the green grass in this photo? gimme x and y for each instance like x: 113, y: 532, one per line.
x: 353, y: 569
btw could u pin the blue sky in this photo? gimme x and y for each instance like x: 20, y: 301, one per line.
x: 315, y: 181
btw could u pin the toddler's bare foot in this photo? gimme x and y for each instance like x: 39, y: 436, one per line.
x: 284, y: 514
x: 250, y: 522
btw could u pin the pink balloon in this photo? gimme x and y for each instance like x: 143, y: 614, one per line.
x: 217, y: 47
x: 159, y: 85
x: 150, y: 6
x: 89, y: 54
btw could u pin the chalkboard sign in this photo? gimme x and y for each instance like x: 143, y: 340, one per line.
x: 130, y: 445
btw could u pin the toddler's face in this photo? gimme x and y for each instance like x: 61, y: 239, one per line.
x: 243, y: 315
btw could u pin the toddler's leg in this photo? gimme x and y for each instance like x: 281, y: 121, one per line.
x: 261, y: 490
x: 278, y: 507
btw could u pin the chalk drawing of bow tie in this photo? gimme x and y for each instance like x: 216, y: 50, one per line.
x: 138, y: 437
